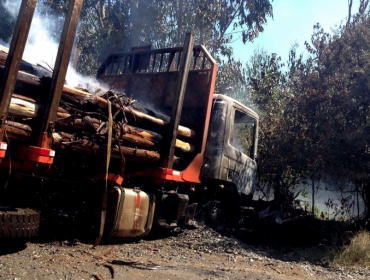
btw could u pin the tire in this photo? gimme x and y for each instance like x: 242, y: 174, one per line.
x: 19, y: 223
x: 215, y: 217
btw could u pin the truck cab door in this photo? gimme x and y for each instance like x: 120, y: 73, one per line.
x: 232, y: 145
x: 240, y: 150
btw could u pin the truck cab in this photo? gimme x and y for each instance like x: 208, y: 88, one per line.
x: 99, y: 165
x: 223, y: 161
x: 231, y: 150
x: 126, y: 191
x: 225, y: 131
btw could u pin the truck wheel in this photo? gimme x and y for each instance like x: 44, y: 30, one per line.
x: 19, y: 223
x: 215, y: 216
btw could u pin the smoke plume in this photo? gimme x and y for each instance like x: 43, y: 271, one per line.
x: 43, y: 40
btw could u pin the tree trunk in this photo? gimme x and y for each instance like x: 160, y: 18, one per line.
x: 72, y: 125
x: 23, y: 107
x: 130, y: 154
x: 36, y: 88
x: 79, y: 97
x: 349, y: 11
x: 366, y: 197
x: 18, y: 131
x: 313, y: 196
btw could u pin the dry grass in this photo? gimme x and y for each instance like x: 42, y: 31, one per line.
x: 357, y: 253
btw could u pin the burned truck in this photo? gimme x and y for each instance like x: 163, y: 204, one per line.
x: 143, y: 154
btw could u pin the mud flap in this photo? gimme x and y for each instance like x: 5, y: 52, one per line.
x: 173, y: 210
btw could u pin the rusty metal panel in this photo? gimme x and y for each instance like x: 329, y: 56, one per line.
x: 152, y: 80
x: 14, y: 59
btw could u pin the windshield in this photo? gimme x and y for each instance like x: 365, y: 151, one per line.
x: 244, y: 133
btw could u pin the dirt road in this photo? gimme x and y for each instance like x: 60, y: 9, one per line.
x: 199, y: 253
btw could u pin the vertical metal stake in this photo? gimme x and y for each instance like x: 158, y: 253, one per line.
x: 17, y: 45
x: 60, y: 71
x: 179, y: 97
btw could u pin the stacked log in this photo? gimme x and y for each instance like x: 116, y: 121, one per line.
x: 3, y: 56
x: 82, y: 121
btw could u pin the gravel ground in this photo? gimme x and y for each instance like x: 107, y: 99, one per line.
x: 200, y: 253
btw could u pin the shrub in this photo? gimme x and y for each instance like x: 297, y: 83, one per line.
x: 357, y: 252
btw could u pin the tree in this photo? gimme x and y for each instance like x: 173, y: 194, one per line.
x: 332, y: 118
x: 347, y: 64
x: 115, y: 25
x: 269, y: 93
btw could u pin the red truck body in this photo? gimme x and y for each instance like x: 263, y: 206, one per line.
x: 117, y: 197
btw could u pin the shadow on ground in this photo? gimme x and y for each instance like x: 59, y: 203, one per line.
x: 9, y: 246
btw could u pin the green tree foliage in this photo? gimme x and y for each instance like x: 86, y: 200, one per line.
x: 315, y: 115
x: 114, y: 25
x: 347, y: 71
x: 334, y: 84
x: 269, y: 93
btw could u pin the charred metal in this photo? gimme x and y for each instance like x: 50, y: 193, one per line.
x: 147, y: 154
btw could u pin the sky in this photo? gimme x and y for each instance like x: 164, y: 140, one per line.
x: 293, y: 23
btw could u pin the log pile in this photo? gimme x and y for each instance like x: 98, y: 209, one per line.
x: 82, y: 121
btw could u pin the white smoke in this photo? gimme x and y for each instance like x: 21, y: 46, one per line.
x: 12, y: 7
x: 4, y: 43
x: 42, y: 45
x: 74, y: 79
x: 40, y: 48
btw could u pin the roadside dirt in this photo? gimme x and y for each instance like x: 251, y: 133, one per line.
x: 199, y: 253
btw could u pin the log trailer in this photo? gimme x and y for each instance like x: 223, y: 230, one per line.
x: 104, y: 166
